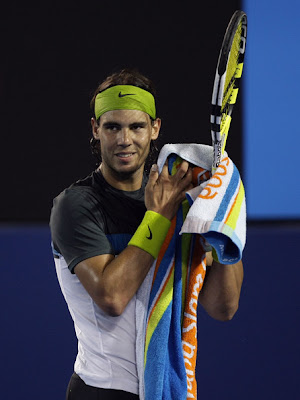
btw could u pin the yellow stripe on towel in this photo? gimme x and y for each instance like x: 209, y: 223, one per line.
x: 164, y: 300
x: 234, y: 213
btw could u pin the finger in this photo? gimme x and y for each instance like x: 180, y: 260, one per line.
x: 182, y: 170
x: 186, y: 182
x: 165, y: 169
x: 153, y: 176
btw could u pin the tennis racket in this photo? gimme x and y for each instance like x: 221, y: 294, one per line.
x: 226, y: 84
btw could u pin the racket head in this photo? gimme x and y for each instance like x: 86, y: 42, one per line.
x: 226, y: 84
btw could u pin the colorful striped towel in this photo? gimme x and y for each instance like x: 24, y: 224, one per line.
x: 177, y: 277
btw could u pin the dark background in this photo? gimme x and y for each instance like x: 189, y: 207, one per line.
x: 53, y: 55
x: 53, y: 58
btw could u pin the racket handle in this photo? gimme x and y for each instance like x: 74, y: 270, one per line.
x: 219, y: 145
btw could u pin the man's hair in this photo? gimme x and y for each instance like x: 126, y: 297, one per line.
x: 123, y: 77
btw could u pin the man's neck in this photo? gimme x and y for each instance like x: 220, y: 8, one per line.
x: 121, y: 181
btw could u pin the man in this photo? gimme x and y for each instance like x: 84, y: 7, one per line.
x: 100, y: 259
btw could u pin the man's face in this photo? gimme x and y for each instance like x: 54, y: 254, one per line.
x: 125, y: 137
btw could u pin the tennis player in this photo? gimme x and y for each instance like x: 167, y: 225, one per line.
x: 100, y: 258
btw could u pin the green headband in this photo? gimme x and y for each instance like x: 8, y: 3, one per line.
x: 125, y: 97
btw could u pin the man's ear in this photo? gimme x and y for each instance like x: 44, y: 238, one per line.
x: 156, y: 128
x: 95, y: 127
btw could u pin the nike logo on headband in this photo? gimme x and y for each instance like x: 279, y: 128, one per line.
x: 127, y: 94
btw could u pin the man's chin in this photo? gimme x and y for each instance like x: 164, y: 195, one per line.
x: 124, y: 174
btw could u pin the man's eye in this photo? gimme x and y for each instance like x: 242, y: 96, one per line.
x: 112, y: 128
x: 137, y: 127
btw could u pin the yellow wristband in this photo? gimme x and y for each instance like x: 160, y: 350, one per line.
x: 151, y: 233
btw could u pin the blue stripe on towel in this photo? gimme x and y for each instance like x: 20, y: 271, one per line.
x: 177, y: 292
x: 231, y: 249
x: 165, y: 374
x: 234, y: 181
x: 175, y: 376
x: 228, y: 252
x: 155, y: 365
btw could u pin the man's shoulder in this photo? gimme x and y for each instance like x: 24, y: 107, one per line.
x: 85, y: 187
x: 79, y: 195
x: 93, y: 193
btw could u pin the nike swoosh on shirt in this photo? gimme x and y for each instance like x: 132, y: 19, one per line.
x: 126, y: 94
x: 150, y: 236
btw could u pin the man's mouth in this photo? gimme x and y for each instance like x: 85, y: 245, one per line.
x: 124, y: 155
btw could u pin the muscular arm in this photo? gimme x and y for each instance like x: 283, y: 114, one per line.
x: 221, y: 289
x: 112, y: 282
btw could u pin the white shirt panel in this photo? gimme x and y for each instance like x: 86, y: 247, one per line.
x: 106, y: 345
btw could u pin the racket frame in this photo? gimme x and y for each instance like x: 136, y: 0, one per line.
x: 218, y: 137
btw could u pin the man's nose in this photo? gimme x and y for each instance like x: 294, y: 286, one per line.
x: 124, y: 138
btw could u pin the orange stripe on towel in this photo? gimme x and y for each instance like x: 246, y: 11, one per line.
x: 189, y: 325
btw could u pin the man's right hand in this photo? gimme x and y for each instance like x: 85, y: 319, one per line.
x: 164, y: 192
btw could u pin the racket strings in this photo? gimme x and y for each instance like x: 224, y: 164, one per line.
x: 232, y: 69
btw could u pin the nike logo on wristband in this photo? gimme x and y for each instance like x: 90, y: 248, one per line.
x: 126, y: 94
x: 150, y: 236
